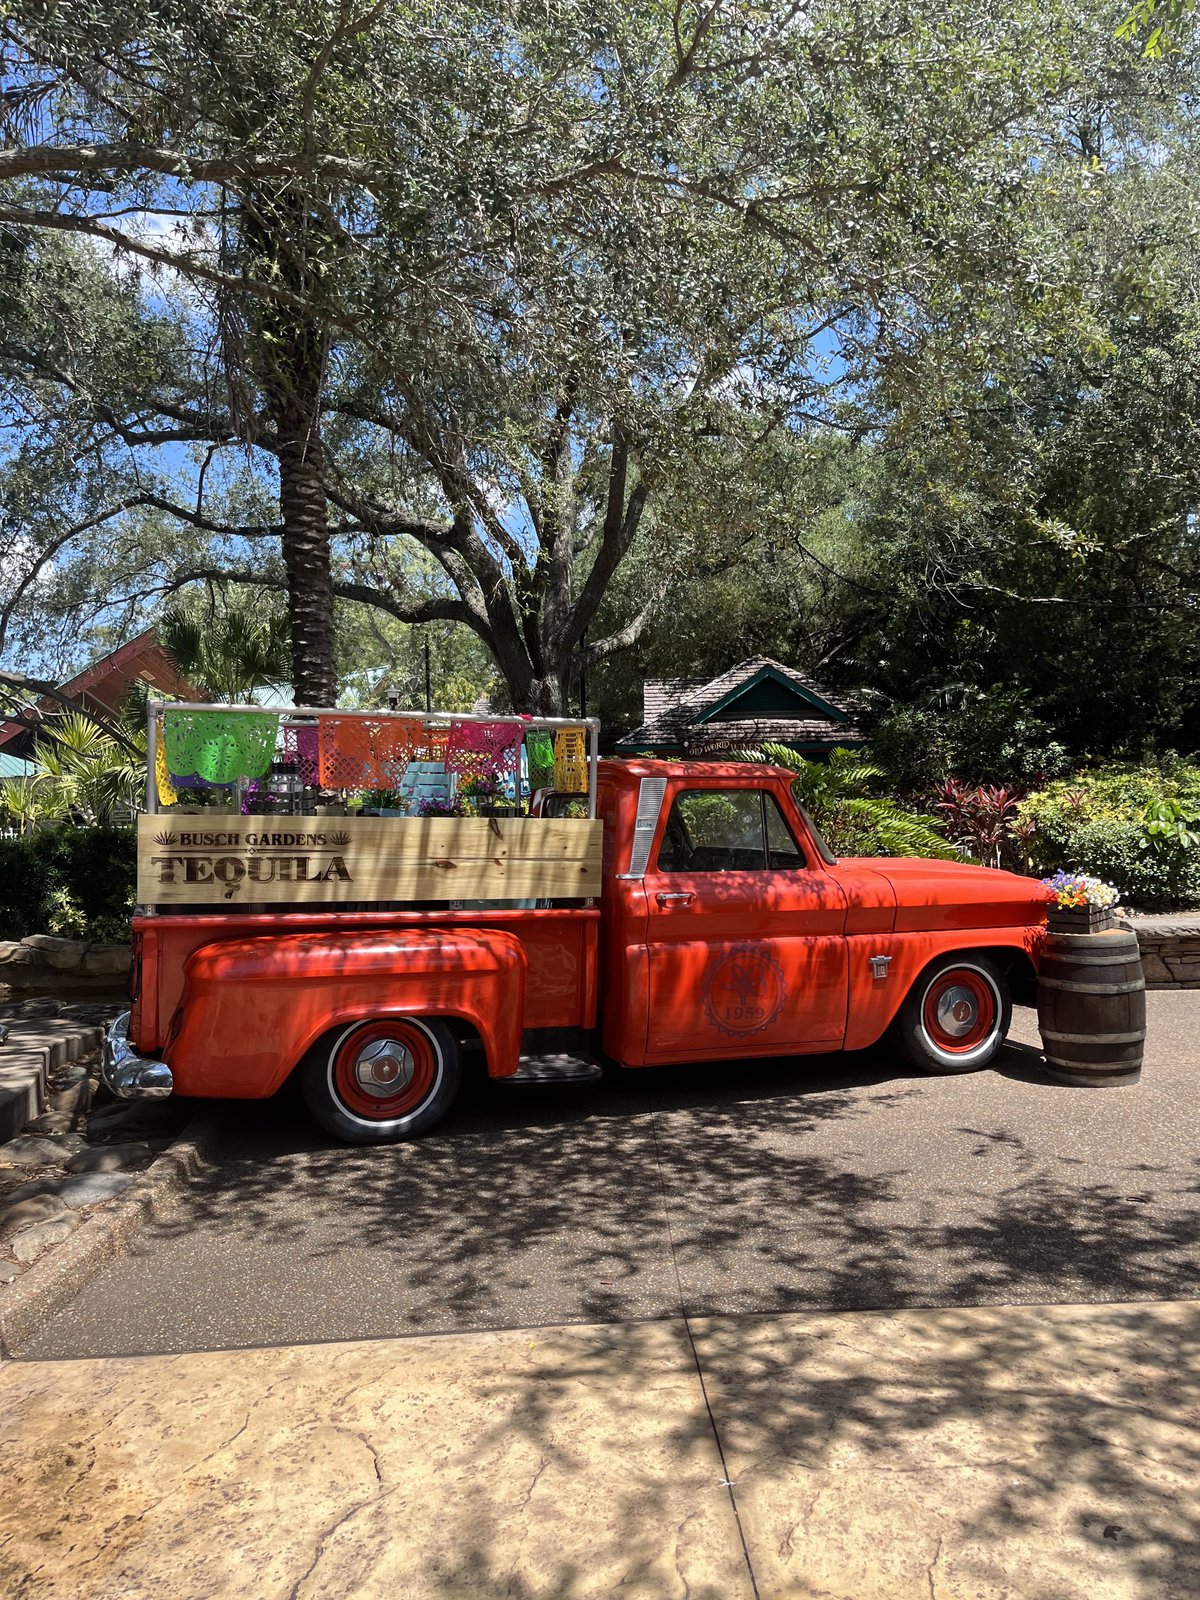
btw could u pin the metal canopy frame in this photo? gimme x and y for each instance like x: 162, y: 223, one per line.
x: 429, y: 719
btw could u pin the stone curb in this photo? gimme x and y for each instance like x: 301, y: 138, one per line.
x: 26, y: 1061
x: 29, y: 1302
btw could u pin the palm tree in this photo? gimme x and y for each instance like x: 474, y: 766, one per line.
x: 837, y: 795
x: 227, y: 650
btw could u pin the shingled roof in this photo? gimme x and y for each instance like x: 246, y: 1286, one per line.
x: 757, y: 701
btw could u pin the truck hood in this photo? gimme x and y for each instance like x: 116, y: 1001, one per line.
x: 944, y: 894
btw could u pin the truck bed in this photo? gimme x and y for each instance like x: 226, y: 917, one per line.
x: 561, y: 944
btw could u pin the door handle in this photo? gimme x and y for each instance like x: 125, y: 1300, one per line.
x: 683, y: 897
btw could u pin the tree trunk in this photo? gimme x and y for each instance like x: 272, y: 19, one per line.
x: 306, y: 556
x: 287, y: 242
x: 546, y: 696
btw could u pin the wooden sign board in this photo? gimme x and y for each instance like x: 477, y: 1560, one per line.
x: 214, y: 856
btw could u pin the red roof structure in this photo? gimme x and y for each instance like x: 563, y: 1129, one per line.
x: 104, y: 685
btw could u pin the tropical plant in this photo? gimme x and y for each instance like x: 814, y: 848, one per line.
x: 981, y: 820
x: 30, y: 802
x: 81, y: 772
x: 227, y: 648
x: 837, y: 795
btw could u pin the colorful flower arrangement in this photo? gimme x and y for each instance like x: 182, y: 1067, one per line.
x: 484, y: 789
x: 440, y: 806
x: 1069, y: 890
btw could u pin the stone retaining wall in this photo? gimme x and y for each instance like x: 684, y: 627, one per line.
x: 1170, y: 947
x: 46, y: 963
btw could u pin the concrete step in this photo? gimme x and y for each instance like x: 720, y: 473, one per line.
x: 34, y: 1048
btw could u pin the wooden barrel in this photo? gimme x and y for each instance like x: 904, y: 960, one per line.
x: 1091, y: 1004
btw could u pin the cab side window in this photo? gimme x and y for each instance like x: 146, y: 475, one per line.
x: 783, y: 853
x: 727, y: 830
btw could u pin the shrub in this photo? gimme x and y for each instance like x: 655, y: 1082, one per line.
x: 981, y: 736
x: 1102, y: 823
x: 982, y: 822
x: 75, y: 881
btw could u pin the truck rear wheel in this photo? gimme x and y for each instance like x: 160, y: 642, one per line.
x: 955, y: 1017
x: 380, y: 1081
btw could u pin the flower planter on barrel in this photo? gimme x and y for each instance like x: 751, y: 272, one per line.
x: 1080, y: 919
x: 1091, y: 994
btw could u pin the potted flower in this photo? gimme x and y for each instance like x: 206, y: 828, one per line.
x: 440, y: 806
x: 485, y: 796
x: 1080, y: 905
x: 382, y: 803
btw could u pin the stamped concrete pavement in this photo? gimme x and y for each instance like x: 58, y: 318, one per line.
x: 994, y: 1453
x: 816, y: 1183
x: 702, y: 1425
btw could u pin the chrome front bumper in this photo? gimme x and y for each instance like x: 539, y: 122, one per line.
x: 129, y: 1075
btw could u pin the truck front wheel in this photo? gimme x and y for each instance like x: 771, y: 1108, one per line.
x: 381, y: 1081
x: 955, y: 1017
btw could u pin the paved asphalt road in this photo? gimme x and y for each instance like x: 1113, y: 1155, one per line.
x: 831, y: 1182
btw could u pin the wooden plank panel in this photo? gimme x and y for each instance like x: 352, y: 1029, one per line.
x: 212, y: 856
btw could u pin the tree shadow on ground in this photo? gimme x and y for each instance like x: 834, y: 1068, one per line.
x: 1015, y: 1452
x: 740, y: 1188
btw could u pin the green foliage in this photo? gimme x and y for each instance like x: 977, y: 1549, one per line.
x: 711, y: 818
x: 28, y: 801
x: 1160, y: 19
x: 227, y: 644
x: 75, y: 881
x: 855, y: 822
x: 81, y: 771
x: 526, y: 265
x: 1038, y: 533
x: 976, y: 735
x: 1106, y: 823
x: 1172, y: 823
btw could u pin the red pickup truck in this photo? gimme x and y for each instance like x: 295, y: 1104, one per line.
x: 722, y: 927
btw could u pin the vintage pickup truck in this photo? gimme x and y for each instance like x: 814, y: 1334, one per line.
x: 700, y: 916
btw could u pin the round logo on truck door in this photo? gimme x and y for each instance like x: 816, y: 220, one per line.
x: 744, y: 990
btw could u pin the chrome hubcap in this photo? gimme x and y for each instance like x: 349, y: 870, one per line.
x: 384, y: 1068
x: 957, y: 1011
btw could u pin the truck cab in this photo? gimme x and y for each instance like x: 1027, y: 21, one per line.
x: 731, y: 930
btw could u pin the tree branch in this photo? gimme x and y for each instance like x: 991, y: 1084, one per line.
x: 30, y: 687
x: 186, y: 265
x: 66, y: 161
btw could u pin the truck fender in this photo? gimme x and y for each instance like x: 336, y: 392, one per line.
x: 876, y: 994
x: 252, y: 1008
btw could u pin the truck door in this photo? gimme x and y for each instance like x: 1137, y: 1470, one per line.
x: 747, y: 951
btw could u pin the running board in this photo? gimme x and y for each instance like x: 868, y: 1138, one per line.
x: 554, y: 1067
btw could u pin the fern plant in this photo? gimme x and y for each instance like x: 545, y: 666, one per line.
x: 837, y: 796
